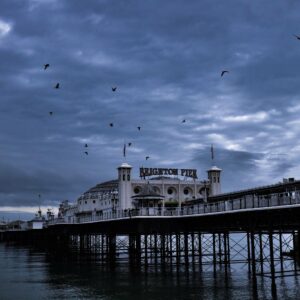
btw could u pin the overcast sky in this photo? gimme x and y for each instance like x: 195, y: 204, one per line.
x: 165, y: 57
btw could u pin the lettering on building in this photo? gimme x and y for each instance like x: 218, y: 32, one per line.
x: 146, y: 172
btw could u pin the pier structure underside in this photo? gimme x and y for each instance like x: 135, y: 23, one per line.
x: 266, y: 241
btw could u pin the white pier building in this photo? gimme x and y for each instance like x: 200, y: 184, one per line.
x: 157, y: 188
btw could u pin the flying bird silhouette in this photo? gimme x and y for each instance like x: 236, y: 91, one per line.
x: 129, y: 144
x: 183, y: 121
x: 111, y: 124
x: 86, y: 145
x: 86, y: 153
x: 50, y: 113
x: 57, y: 86
x: 139, y: 128
x: 114, y: 88
x: 297, y: 36
x: 147, y: 157
x: 46, y: 66
x: 223, y: 72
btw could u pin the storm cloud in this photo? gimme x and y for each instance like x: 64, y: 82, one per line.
x: 165, y: 57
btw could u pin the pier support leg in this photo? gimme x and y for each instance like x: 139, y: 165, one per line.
x: 253, y: 265
x: 214, y: 252
x: 272, y: 266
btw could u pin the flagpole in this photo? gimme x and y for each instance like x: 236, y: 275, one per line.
x: 212, y: 154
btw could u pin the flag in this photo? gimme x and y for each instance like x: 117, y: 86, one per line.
x: 124, y: 150
x: 212, y: 152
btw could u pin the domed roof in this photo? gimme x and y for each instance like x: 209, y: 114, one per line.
x: 110, y: 186
x: 125, y: 165
x: 214, y: 168
x: 107, y: 185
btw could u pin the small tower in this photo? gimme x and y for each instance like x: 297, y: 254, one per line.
x: 214, y: 177
x: 124, y: 175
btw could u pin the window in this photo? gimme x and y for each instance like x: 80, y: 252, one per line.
x: 170, y: 191
x: 128, y: 177
x: 215, y: 179
x: 85, y: 202
x: 186, y: 191
x: 136, y: 190
x: 219, y: 179
x: 124, y: 177
x: 94, y: 201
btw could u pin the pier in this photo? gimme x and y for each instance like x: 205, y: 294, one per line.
x: 259, y: 227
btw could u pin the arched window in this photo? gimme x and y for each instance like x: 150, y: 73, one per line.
x: 186, y: 191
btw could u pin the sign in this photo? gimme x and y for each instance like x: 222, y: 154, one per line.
x: 145, y: 172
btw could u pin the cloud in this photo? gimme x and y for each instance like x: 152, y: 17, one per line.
x: 256, y: 117
x: 5, y: 28
x: 166, y: 62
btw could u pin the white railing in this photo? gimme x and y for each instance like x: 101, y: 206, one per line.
x: 197, y: 209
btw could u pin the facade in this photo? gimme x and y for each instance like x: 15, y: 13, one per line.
x: 156, y: 188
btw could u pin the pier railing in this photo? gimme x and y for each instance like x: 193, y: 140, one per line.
x: 197, y: 209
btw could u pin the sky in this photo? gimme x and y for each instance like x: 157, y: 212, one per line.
x: 165, y: 58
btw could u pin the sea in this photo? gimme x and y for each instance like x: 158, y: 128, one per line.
x: 28, y: 273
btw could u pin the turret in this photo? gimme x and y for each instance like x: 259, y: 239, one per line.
x: 214, y: 177
x: 124, y: 175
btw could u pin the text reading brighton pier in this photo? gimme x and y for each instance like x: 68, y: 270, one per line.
x: 144, y: 172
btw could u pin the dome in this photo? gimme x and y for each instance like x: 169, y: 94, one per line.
x: 104, y: 187
x: 125, y: 165
x: 214, y: 168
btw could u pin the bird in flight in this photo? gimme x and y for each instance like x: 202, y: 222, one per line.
x: 86, y: 145
x: 86, y: 153
x: 46, y: 66
x: 129, y: 144
x: 297, y: 37
x: 114, y: 88
x: 183, y: 121
x: 139, y: 128
x: 57, y: 86
x: 223, y: 72
x: 50, y: 113
x: 111, y: 124
x: 147, y: 157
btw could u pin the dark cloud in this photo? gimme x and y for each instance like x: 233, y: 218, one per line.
x: 165, y: 58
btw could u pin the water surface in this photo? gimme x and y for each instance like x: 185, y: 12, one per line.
x: 31, y: 274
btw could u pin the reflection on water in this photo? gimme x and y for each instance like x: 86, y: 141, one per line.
x: 29, y: 274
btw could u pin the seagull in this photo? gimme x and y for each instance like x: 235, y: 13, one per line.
x: 86, y: 145
x: 57, y: 86
x: 111, y: 124
x: 46, y: 66
x: 129, y: 144
x: 114, y: 88
x: 223, y: 72
x: 86, y: 153
x: 183, y: 121
x: 139, y: 128
x: 147, y: 157
x: 50, y: 113
x: 297, y: 36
